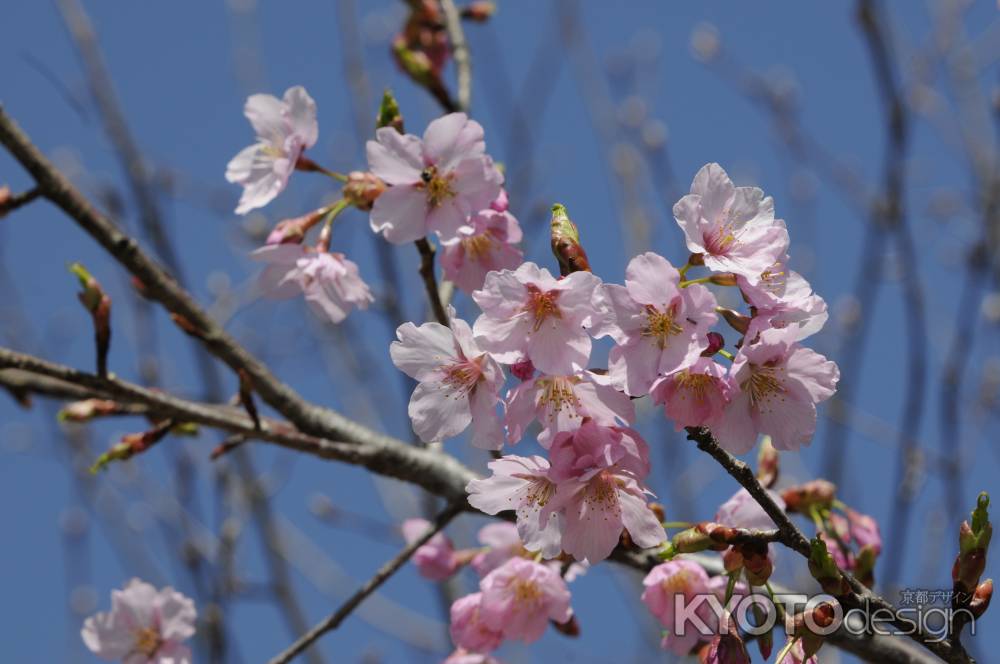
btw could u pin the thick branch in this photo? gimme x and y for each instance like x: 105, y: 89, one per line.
x: 370, y: 586
x: 793, y: 538
x: 160, y: 286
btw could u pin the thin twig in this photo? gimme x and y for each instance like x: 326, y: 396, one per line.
x: 14, y: 201
x: 426, y: 250
x: 370, y: 586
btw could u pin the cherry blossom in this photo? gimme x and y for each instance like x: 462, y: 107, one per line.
x: 285, y: 128
x: 864, y: 530
x: 592, y: 446
x: 468, y: 630
x: 560, y: 403
x: 529, y: 313
x: 331, y: 283
x: 490, y: 243
x: 501, y: 542
x: 144, y: 625
x: 694, y: 396
x: 436, y: 183
x: 776, y: 386
x: 733, y: 228
x: 797, y: 655
x: 522, y: 484
x: 596, y: 508
x: 837, y: 536
x: 663, y: 584
x: 435, y: 559
x: 743, y: 511
x: 782, y: 298
x: 457, y: 382
x: 659, y: 327
x: 520, y: 597
x: 461, y: 656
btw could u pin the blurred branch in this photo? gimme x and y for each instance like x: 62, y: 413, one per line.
x: 892, y: 217
x: 460, y: 52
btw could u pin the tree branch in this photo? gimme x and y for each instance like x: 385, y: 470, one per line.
x: 793, y: 538
x: 370, y: 586
x: 460, y: 52
x: 427, y: 251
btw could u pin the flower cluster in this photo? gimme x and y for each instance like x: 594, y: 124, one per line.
x: 591, y: 487
x: 587, y: 494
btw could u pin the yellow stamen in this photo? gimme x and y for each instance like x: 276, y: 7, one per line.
x: 660, y: 326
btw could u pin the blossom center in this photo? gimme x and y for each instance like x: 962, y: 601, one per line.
x: 720, y: 240
x: 147, y: 641
x: 677, y: 582
x: 773, y: 278
x: 695, y: 384
x: 557, y: 395
x: 463, y: 375
x: 477, y: 246
x: 438, y: 187
x: 602, y: 496
x: 762, y: 385
x: 526, y: 591
x: 542, y: 305
x: 660, y: 325
x: 539, y: 492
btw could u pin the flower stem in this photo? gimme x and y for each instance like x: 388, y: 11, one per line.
x: 699, y: 280
x: 323, y: 244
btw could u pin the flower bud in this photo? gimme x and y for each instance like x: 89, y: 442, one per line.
x: 88, y: 409
x: 981, y: 599
x: 293, y: 231
x: 825, y: 571
x: 132, y: 444
x: 523, y: 369
x: 566, y: 243
x: 815, y: 493
x: 767, y: 464
x: 98, y: 303
x: 973, y: 543
x: 726, y: 648
x: 361, y: 189
x: 736, y: 320
x: 864, y: 566
x: 569, y: 628
x: 693, y: 540
x: 500, y: 203
x: 479, y: 11
x: 715, y: 343
x: 388, y: 113
x: 723, y: 279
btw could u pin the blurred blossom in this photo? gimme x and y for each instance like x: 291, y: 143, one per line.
x: 705, y: 42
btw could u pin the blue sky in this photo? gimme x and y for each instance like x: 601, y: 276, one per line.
x: 181, y: 76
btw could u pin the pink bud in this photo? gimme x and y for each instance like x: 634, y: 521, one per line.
x: 715, y: 344
x: 523, y: 370
x: 500, y: 203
